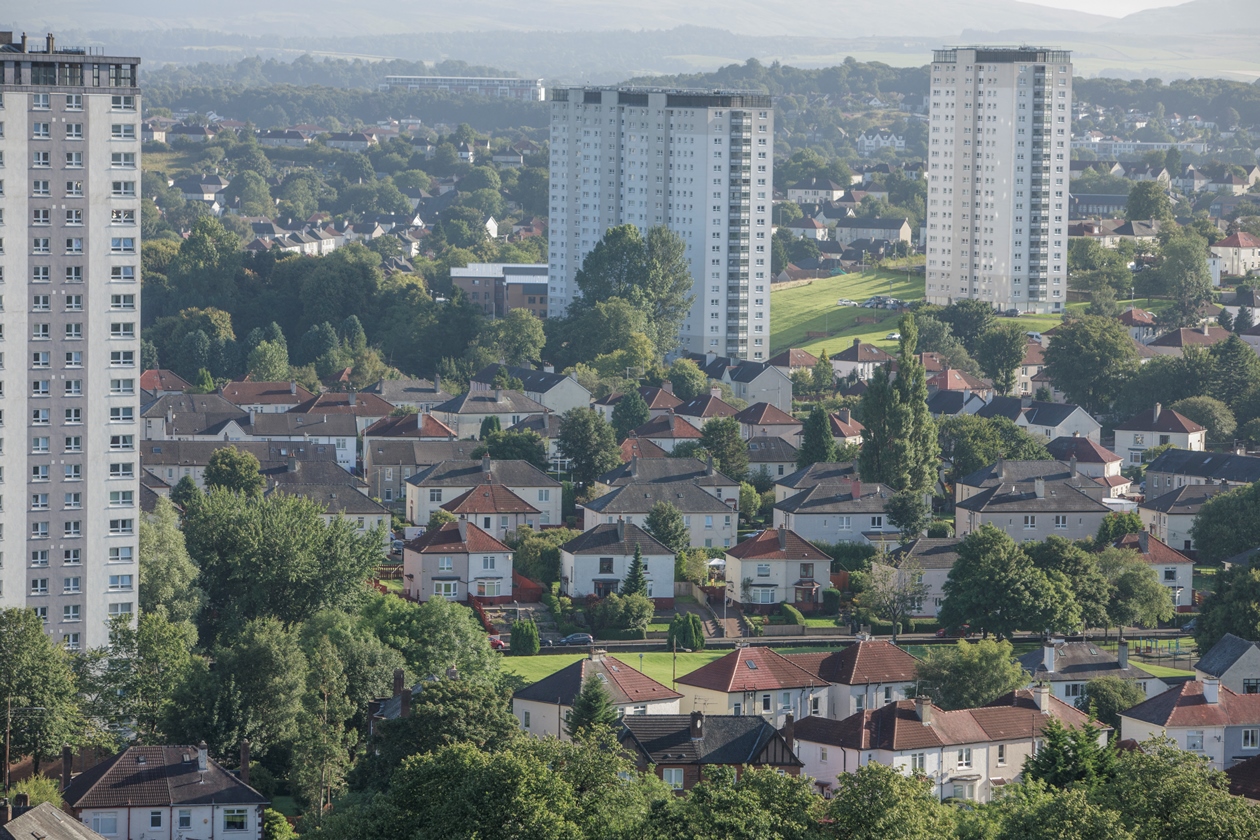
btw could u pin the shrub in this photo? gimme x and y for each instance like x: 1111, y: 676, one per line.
x: 618, y: 613
x: 524, y: 638
x: 849, y: 557
x: 831, y: 601
x: 791, y: 615
x: 687, y: 631
x: 39, y: 789
x: 940, y: 529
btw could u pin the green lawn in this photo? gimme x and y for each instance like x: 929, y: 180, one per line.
x: 658, y: 666
x: 1162, y: 670
x: 820, y: 622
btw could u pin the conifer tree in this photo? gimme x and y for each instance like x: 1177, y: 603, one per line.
x: 817, y: 444
x: 899, y: 443
x: 911, y: 385
x: 592, y: 710
x: 630, y: 412
x: 823, y: 375
x: 1244, y: 321
x: 635, y: 582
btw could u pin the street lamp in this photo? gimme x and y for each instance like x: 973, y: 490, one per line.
x: 8, y: 725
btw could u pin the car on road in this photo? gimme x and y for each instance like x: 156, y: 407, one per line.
x: 497, y: 644
x: 1190, y: 626
x: 954, y: 632
x: 1011, y: 313
x: 893, y: 336
x: 577, y: 639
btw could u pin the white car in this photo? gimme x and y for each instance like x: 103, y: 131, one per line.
x: 894, y: 336
x: 844, y: 302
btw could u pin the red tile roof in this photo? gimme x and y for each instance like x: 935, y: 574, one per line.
x: 265, y: 393
x: 462, y: 537
x: 706, y: 406
x: 1034, y: 354
x: 488, y: 498
x: 338, y: 402
x: 859, y: 352
x: 1134, y: 317
x: 410, y: 426
x: 163, y: 380
x: 625, y: 684
x: 843, y: 425
x: 667, y: 426
x: 633, y: 447
x: 861, y: 663
x: 153, y: 776
x: 1186, y: 336
x: 1244, y: 778
x: 793, y: 358
x: 1167, y: 421
x: 1084, y: 449
x: 1185, y: 705
x: 1153, y: 550
x: 764, y: 413
x: 750, y: 669
x: 765, y: 546
x: 1241, y: 239
x: 956, y: 380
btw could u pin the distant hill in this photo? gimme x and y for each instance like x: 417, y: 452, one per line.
x: 1195, y: 17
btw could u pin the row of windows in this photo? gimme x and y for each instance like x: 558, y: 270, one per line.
x: 234, y: 819
x: 74, y: 416
x: 117, y: 245
x: 74, y: 585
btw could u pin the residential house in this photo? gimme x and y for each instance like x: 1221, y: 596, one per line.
x: 161, y: 383
x: 1044, y: 420
x: 347, y: 499
x: 954, y: 403
x: 968, y: 754
x: 933, y: 559
x: 1176, y: 467
x: 598, y: 560
x: 1174, y: 569
x: 1159, y: 426
x: 764, y: 420
x: 860, y: 359
x: 851, y: 511
x: 411, y: 426
x: 1067, y: 666
x: 845, y: 431
x: 1170, y: 517
x: 869, y: 144
x: 691, y: 471
x: 543, y: 708
x: 959, y: 381
x: 775, y: 566
x: 547, y: 427
x: 700, y: 410
x: 1092, y: 459
x: 667, y: 431
x: 851, y: 229
x: 419, y: 395
x: 754, y: 681
x: 771, y: 457
x: 367, y: 409
x: 792, y: 360
x: 555, y: 391
x: 632, y: 448
x: 183, y: 416
x: 166, y: 792
x: 1140, y: 323
x: 190, y: 134
x: 389, y: 462
x: 660, y: 401
x: 808, y: 228
x: 1036, y: 509
x: 812, y: 476
x: 495, y: 509
x: 466, y: 412
x: 751, y: 381
x: 265, y: 397
x: 1173, y: 342
x: 864, y: 675
x: 815, y: 191
x: 678, y: 748
x: 434, y: 486
x: 1235, y: 662
x: 1239, y: 253
x: 456, y: 561
x: 1008, y: 472
x: 711, y: 523
x: 1202, y: 717
x: 337, y: 430
x: 350, y: 141
x: 172, y: 460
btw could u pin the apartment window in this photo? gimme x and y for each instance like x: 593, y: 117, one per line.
x: 74, y: 332
x: 74, y: 388
x: 122, y: 498
x: 123, y: 103
x: 122, y: 245
x: 39, y: 586
x: 122, y: 131
x: 74, y: 359
x: 122, y: 189
x: 74, y: 218
x: 122, y: 329
x: 39, y: 472
x: 74, y: 131
x: 39, y: 501
x: 39, y: 245
x: 1030, y: 522
x: 74, y: 245
x: 40, y: 131
x: 122, y: 527
x: 74, y: 443
x: 39, y: 388
x: 71, y: 641
x: 120, y: 554
x: 40, y: 101
x: 74, y: 189
x: 73, y: 472
x: 40, y: 274
x: 235, y: 819
x: 125, y: 302
x: 39, y: 417
x: 122, y: 160
x: 122, y: 443
x: 673, y: 777
x: 73, y: 585
x: 70, y: 612
x: 74, y: 416
x: 122, y: 358
x: 40, y: 557
x: 122, y: 273
x: 41, y: 303
x: 74, y: 160
x: 120, y: 583
x: 122, y: 217
x: 41, y: 216
x: 74, y: 274
x: 118, y: 387
x: 73, y: 501
x: 964, y: 758
x: 41, y: 160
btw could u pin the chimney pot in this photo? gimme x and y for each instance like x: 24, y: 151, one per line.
x: 621, y: 529
x: 201, y: 756
x: 1039, y: 487
x: 855, y: 489
x: 789, y: 730
x: 1158, y: 409
x: 293, y: 387
x: 404, y: 704
x: 1041, y: 697
x: 1212, y: 691
x: 485, y: 463
x: 1072, y: 466
x: 1001, y: 468
x: 244, y: 772
x: 697, y: 726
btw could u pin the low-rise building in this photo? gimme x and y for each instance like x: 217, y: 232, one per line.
x: 932, y: 559
x: 776, y: 566
x: 598, y: 560
x: 667, y: 431
x: 1044, y: 420
x: 1177, y: 467
x: 543, y: 708
x: 498, y: 288
x: 432, y: 487
x: 366, y: 409
x: 1159, y: 426
x: 771, y: 457
x: 1170, y: 517
x: 1091, y: 458
x: 850, y: 229
x: 495, y: 509
x: 1067, y: 666
x: 764, y: 420
x: 660, y: 401
x: 1031, y: 510
x: 555, y: 391
x: 865, y: 675
x: 859, y: 359
x: 700, y: 410
x: 711, y: 522
x: 754, y: 681
x: 1201, y: 717
x: 852, y: 511
x: 389, y: 462
x: 466, y: 412
x: 1174, y: 569
x: 691, y: 471
x: 679, y: 748
x: 823, y: 472
x: 264, y: 397
x: 1239, y: 253
x: 455, y: 561
x: 419, y: 395
x: 1235, y: 662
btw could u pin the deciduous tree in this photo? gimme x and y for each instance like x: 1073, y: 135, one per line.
x: 630, y: 412
x: 687, y: 378
x: 586, y: 439
x: 234, y: 470
x: 37, y: 681
x: 168, y: 577
x: 1000, y: 351
x: 721, y: 437
x: 1137, y: 597
x: 1105, y: 698
x: 969, y: 674
x: 1090, y: 359
x: 878, y: 802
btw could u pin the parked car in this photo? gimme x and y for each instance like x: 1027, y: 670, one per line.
x: 1190, y: 626
x: 577, y: 639
x: 1011, y: 313
x: 954, y: 632
x: 396, y: 547
x: 497, y: 644
x: 846, y: 302
x: 893, y: 336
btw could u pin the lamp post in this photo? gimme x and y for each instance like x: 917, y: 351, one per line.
x: 8, y: 727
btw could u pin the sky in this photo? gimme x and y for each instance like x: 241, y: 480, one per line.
x: 1114, y: 8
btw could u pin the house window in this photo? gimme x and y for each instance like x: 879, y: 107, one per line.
x: 887, y: 695
x: 1139, y: 440
x: 106, y: 824
x: 964, y: 758
x: 764, y: 595
x: 964, y: 791
x: 859, y: 704
x: 822, y: 754
x: 185, y: 818
x: 155, y: 819
x: 1060, y: 522
x: 435, y: 495
x: 765, y: 702
x: 605, y: 565
x: 1194, y: 740
x: 444, y: 564
x: 1072, y: 690
x: 526, y: 720
x: 1170, y: 575
x: 918, y: 762
x: 815, y: 705
x: 1030, y: 523
x: 1251, y: 686
x: 763, y: 570
x: 845, y: 523
x: 807, y: 571
x: 877, y: 522
x: 785, y: 700
x: 1251, y: 739
x: 235, y: 819
x: 673, y: 776
x: 488, y: 589
x: 447, y: 589
x: 1001, y: 756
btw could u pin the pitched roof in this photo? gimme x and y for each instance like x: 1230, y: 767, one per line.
x: 1034, y: 353
x: 471, y: 473
x: 1244, y: 778
x: 1160, y: 419
x: 765, y: 414
x: 659, y: 398
x: 668, y: 427
x: 537, y: 381
x: 1222, y: 655
x: 46, y: 822
x: 488, y: 498
x: 618, y: 538
x: 666, y: 471
x: 770, y: 449
x: 1057, y: 496
x: 707, y: 406
x: 957, y: 380
x: 838, y: 498
x: 197, y: 453
x: 1078, y: 662
x: 861, y: 663
x: 409, y: 426
x: 1004, y: 471
x: 1186, y: 500
x: 1134, y: 317
x: 793, y: 358
x: 1185, y: 705
x: 284, y: 423
x: 625, y: 685
x: 545, y: 425
x: 639, y: 498
x: 491, y: 402
x: 157, y: 776
x: 1241, y: 469
x: 1085, y: 451
x: 163, y: 380
x: 462, y: 537
x: 340, y: 498
x: 930, y: 553
x: 728, y: 739
x: 632, y: 447
x: 1187, y: 336
x: 1240, y: 239
x: 397, y: 391
x: 344, y: 402
x: 751, y: 669
x: 819, y: 473
x: 264, y: 393
x: 859, y: 352
x: 1036, y: 413
x: 418, y: 453
x: 1152, y: 549
x: 777, y: 544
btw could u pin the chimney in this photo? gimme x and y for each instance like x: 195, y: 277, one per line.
x: 398, y: 681
x: 6, y: 811
x: 52, y: 43
x: 708, y: 470
x: 201, y: 756
x: 1144, y: 541
x: 1025, y: 401
x: 621, y: 529
x: 1041, y: 697
x: 789, y: 730
x: 1039, y: 487
x: 485, y: 463
x: 350, y: 397
x: 437, y: 382
x: 67, y: 765
x: 404, y: 704
x: 293, y: 387
x: 782, y: 539
x: 1212, y: 691
x: 923, y: 708
x: 23, y: 42
x: 716, y: 393
x: 1158, y: 409
x: 244, y: 771
x: 1047, y: 656
x: 634, y: 466
x: 844, y: 415
x: 293, y: 464
x: 1072, y: 466
x: 452, y: 673
x: 1001, y: 468
x: 697, y: 726
x: 462, y: 525
x: 667, y: 386
x: 1207, y: 328
x: 855, y: 489
x: 1122, y: 655
x: 498, y: 394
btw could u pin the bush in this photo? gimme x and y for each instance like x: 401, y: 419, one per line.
x: 791, y: 615
x: 831, y: 601
x: 926, y: 625
x: 940, y: 529
x: 849, y: 557
x: 524, y: 638
x: 39, y: 789
x: 275, y: 826
x: 618, y: 613
x: 687, y: 631
x: 628, y: 635
x: 1180, y: 619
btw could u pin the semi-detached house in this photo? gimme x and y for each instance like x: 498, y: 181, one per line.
x: 710, y: 522
x: 435, y: 486
x: 777, y: 566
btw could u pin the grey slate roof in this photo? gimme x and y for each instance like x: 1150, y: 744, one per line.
x: 190, y: 453
x: 639, y: 498
x: 491, y: 402
x: 930, y: 553
x: 46, y: 822
x: 1038, y: 413
x: 397, y: 391
x: 533, y: 380
x: 1217, y: 466
x: 324, y: 425
x: 1222, y: 655
x: 334, y: 498
x: 471, y: 473
x: 619, y: 539
x: 770, y: 449
x: 1059, y: 497
x: 666, y: 471
x: 820, y: 473
x: 1079, y: 662
x: 1187, y: 500
x: 727, y: 739
x: 837, y: 498
x: 1006, y: 472
x: 422, y: 453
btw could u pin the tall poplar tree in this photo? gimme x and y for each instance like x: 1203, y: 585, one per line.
x: 817, y: 444
x: 899, y: 443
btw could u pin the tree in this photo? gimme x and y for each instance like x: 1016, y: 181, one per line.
x: 274, y: 556
x: 968, y: 319
x: 893, y: 590
x: 1224, y: 319
x: 817, y: 444
x: 666, y: 290
x: 621, y: 616
x: 489, y: 425
x: 1089, y: 360
x: 664, y: 523
x: 167, y: 574
x: 37, y: 681
x: 630, y: 412
x: 635, y: 582
x: 268, y: 362
x: 1079, y: 568
x: 721, y: 438
x: 1033, y: 811
x: 1071, y: 757
x: 994, y: 587
x: 234, y: 470
x: 517, y: 338
x: 686, y: 632
x: 754, y: 803
x: 592, y: 710
x: 1236, y: 371
x: 908, y: 512
x: 1137, y: 596
x: 1185, y: 277
x: 524, y: 638
x: 1210, y: 413
x: 899, y: 442
x: 524, y: 445
x: 615, y: 267
x: 586, y: 439
x: 749, y: 501
x: 1105, y: 698
x: 687, y: 378
x: 1148, y: 200
x: 878, y: 802
x: 1227, y: 524
x: 1116, y: 525
x: 434, y: 636
x: 275, y: 826
x: 968, y: 674
x: 321, y: 751
x: 936, y: 336
x: 823, y: 376
x: 1234, y: 608
x: 1000, y: 351
x: 1244, y: 321
x: 38, y: 789
x: 972, y: 443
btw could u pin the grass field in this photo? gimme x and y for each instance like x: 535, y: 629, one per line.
x: 1163, y: 671
x: 658, y: 666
